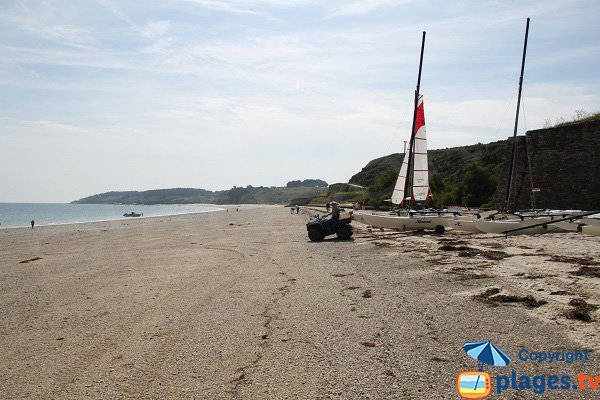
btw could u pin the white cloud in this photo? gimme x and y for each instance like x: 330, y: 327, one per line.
x: 222, y: 5
x: 155, y: 29
x: 365, y: 6
x: 44, y: 21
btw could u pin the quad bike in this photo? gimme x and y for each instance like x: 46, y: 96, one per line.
x: 321, y: 227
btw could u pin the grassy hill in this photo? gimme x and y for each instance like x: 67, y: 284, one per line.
x: 465, y: 175
x: 159, y: 196
x: 236, y: 195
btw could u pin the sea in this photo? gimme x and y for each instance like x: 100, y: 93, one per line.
x: 16, y: 215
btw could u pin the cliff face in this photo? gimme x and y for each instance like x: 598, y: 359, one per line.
x: 561, y: 165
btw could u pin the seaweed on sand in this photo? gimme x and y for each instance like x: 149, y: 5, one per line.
x: 492, y: 297
x: 581, y: 310
x: 465, y: 251
x: 574, y: 260
x: 593, y: 272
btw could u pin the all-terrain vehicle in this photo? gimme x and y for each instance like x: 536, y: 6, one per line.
x: 321, y: 227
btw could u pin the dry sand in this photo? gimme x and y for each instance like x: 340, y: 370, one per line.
x: 240, y: 305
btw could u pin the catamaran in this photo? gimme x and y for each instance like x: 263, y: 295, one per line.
x: 415, y: 162
x: 506, y: 222
x: 535, y: 221
x: 411, y: 219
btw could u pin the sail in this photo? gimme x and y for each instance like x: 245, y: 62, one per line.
x: 398, y: 195
x: 421, y: 191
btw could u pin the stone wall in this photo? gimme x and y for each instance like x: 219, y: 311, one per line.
x: 562, y: 162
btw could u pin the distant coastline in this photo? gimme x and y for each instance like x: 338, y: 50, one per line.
x: 20, y: 215
x: 236, y: 195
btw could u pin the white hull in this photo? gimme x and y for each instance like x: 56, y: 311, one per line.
x: 577, y: 225
x: 590, y: 222
x: 463, y: 224
x: 568, y: 226
x: 507, y: 225
x: 402, y: 223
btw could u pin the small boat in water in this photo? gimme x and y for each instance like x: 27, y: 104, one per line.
x: 132, y: 214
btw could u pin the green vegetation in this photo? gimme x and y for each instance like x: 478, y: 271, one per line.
x: 580, y: 116
x: 307, y: 183
x: 159, y: 196
x: 458, y: 176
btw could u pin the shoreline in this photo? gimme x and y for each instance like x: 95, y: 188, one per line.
x: 116, y: 218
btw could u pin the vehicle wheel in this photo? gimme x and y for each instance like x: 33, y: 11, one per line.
x: 315, y: 234
x: 440, y: 229
x: 344, y: 232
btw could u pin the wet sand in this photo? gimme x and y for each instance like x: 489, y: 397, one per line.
x: 240, y: 305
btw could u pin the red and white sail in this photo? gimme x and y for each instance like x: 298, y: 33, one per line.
x: 421, y: 190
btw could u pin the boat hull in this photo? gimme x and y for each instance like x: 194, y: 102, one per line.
x: 463, y: 225
x: 507, y: 225
x: 568, y: 226
x: 402, y: 223
x: 591, y: 229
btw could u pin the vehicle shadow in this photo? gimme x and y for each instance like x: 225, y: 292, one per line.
x: 331, y: 240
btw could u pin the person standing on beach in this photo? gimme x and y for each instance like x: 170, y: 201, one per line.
x: 32, y: 223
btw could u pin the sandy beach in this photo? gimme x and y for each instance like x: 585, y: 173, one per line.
x: 240, y: 305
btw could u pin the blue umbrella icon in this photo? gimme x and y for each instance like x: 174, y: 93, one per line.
x: 486, y: 353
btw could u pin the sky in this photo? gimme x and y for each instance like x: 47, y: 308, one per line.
x: 103, y: 95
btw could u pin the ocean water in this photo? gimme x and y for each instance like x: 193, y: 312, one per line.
x: 14, y: 215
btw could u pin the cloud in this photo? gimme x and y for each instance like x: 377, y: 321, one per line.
x: 251, y: 7
x: 155, y: 29
x: 366, y: 6
x: 150, y: 30
x: 222, y: 5
x: 204, y: 93
x: 48, y: 24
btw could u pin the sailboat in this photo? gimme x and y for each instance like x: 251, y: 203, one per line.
x: 415, y: 162
x: 520, y: 223
x: 420, y: 188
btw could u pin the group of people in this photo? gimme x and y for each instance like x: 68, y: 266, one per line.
x: 295, y: 208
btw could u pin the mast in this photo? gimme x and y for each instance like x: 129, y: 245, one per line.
x: 514, y: 143
x: 412, y: 132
